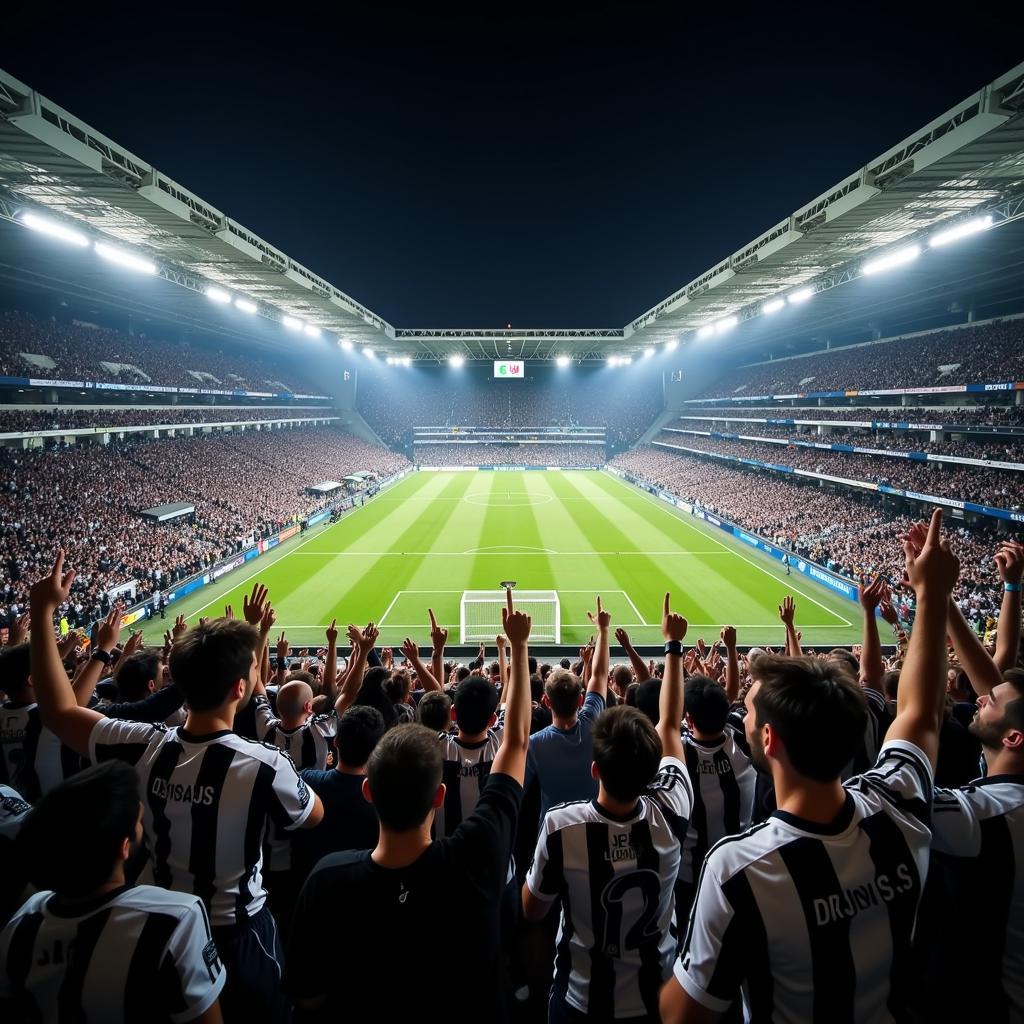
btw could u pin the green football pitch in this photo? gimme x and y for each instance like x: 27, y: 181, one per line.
x: 421, y: 543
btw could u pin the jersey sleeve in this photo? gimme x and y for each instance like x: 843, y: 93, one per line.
x: 672, y: 791
x: 546, y: 873
x: 593, y: 705
x: 903, y: 775
x: 290, y: 801
x: 263, y: 716
x: 191, y: 973
x: 485, y: 838
x: 956, y: 823
x: 711, y: 963
x: 114, y: 739
x: 326, y: 725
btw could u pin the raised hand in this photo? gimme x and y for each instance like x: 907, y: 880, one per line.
x: 332, y: 633
x: 180, y: 627
x: 368, y: 637
x: 500, y: 641
x: 410, y: 650
x: 873, y: 594
x: 933, y: 569
x: 18, y: 633
x: 255, y: 604
x: 438, y: 635
x: 229, y: 612
x: 515, y: 625
x: 52, y: 590
x: 787, y: 609
x: 888, y: 612
x: 673, y: 626
x: 622, y: 638
x: 1009, y: 561
x: 267, y: 619
x: 282, y: 648
x: 110, y: 629
x: 602, y: 619
x: 728, y: 637
x: 353, y: 634
x: 134, y: 644
x: 70, y: 643
x: 387, y: 657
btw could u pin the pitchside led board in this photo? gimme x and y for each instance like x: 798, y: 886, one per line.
x: 509, y: 369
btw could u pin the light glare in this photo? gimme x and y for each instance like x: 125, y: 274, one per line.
x: 800, y: 295
x: 312, y: 331
x: 563, y: 361
x: 292, y: 323
x: 969, y: 227
x: 773, y: 306
x: 217, y: 294
x: 345, y: 344
x: 124, y: 259
x: 457, y: 361
x: 894, y: 259
x: 245, y: 305
x: 54, y: 229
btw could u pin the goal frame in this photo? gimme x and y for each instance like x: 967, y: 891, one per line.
x: 497, y: 598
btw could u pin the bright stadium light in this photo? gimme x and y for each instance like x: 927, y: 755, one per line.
x: 369, y: 353
x: 800, y: 295
x: 726, y: 325
x: 217, y: 294
x: 613, y: 360
x: 312, y: 330
x: 706, y: 331
x: 563, y: 361
x: 124, y: 259
x: 964, y: 230
x: 456, y: 360
x: 345, y: 344
x: 54, y: 229
x: 899, y: 258
x: 245, y: 305
x: 648, y: 352
x: 672, y: 345
x: 627, y: 360
x: 292, y: 323
x: 773, y: 306
x: 406, y: 361
x: 390, y: 361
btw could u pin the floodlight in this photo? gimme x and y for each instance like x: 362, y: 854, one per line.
x: 292, y: 323
x: 406, y: 361
x: 672, y: 345
x: 123, y: 258
x: 648, y: 352
x: 954, y: 234
x: 626, y: 360
x: 907, y: 254
x: 369, y: 353
x: 613, y: 360
x: 312, y: 330
x: 706, y: 331
x: 217, y: 294
x: 773, y: 305
x: 456, y: 360
x: 563, y: 361
x: 389, y: 361
x: 726, y: 325
x: 800, y: 295
x: 54, y: 228
x: 245, y: 305
x: 345, y: 344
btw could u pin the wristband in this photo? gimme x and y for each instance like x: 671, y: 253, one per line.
x: 1011, y: 588
x: 673, y: 647
x: 99, y: 655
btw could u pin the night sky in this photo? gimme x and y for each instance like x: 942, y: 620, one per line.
x: 538, y: 169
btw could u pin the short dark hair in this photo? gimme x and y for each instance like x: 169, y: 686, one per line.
x: 476, y: 700
x: 1013, y: 710
x: 817, y: 708
x: 536, y: 688
x: 648, y: 699
x: 404, y: 772
x: 627, y: 751
x: 91, y: 814
x: 462, y: 673
x: 397, y: 686
x: 563, y: 690
x: 890, y: 684
x: 371, y: 694
x: 15, y: 669
x: 210, y: 658
x: 435, y: 711
x: 623, y: 675
x: 359, y: 731
x: 706, y: 703
x: 847, y: 658
x: 136, y: 671
x: 566, y: 664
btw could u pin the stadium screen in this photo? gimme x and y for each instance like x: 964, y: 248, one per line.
x: 509, y: 369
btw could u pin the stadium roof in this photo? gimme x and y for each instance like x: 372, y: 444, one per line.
x: 967, y: 162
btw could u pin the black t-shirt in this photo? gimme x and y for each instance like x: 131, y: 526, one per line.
x: 349, y: 822
x: 347, y: 954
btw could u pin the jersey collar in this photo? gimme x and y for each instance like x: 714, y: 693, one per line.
x: 81, y: 908
x: 189, y: 737
x: 839, y: 824
x: 605, y: 813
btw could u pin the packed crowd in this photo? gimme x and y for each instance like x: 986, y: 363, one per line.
x: 967, y: 416
x: 76, y: 351
x: 396, y: 402
x: 847, y: 531
x: 244, y: 486
x: 1000, y: 448
x: 497, y: 454
x: 999, y: 488
x: 818, y: 818
x: 57, y: 418
x: 986, y: 353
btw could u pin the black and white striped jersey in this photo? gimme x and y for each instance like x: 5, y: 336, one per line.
x: 134, y: 954
x: 615, y: 879
x: 723, y: 780
x: 207, y: 800
x: 307, y: 746
x: 979, y: 832
x: 33, y: 760
x: 13, y: 811
x: 466, y: 768
x: 815, y: 922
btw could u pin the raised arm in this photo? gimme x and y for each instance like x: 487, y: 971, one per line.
x: 640, y: 669
x: 1009, y: 561
x: 787, y: 612
x: 58, y: 709
x: 932, y: 570
x: 511, y: 756
x: 502, y: 666
x: 671, y: 704
x: 599, y: 666
x: 84, y: 683
x: 362, y: 644
x: 412, y: 655
x: 982, y: 671
x: 438, y: 638
x: 871, y: 667
x: 732, y: 664
x: 330, y: 687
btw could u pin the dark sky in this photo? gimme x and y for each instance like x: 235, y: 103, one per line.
x: 535, y: 168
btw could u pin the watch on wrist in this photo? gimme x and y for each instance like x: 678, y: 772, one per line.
x: 99, y: 655
x: 1011, y: 588
x: 673, y: 647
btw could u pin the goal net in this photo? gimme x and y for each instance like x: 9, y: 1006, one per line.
x: 480, y: 614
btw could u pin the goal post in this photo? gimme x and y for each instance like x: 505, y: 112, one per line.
x: 480, y: 614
